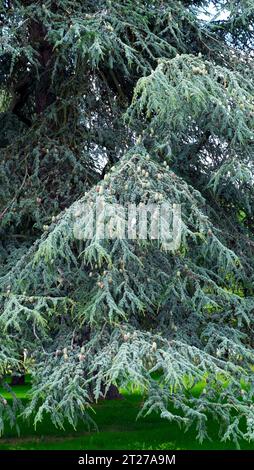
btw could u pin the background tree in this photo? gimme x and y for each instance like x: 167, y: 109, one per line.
x: 138, y: 102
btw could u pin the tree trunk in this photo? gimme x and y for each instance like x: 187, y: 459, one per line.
x: 43, y: 93
x: 17, y: 380
x: 113, y: 393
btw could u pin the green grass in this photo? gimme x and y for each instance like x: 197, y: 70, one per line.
x: 118, y: 429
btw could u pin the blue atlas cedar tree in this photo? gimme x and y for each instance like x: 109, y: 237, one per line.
x: 137, y: 101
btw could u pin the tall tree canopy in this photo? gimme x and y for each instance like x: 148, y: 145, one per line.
x: 138, y: 101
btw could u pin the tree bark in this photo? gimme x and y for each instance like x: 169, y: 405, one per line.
x: 113, y: 393
x: 17, y: 380
x: 43, y: 93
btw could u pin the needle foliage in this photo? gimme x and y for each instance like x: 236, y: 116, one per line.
x: 138, y: 102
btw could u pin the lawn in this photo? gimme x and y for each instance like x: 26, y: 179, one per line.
x: 118, y: 429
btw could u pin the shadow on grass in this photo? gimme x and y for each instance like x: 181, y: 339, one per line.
x: 118, y: 429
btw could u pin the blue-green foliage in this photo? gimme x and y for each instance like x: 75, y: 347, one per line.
x: 165, y: 99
